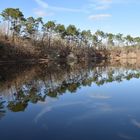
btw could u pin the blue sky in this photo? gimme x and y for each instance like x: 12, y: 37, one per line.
x: 116, y: 16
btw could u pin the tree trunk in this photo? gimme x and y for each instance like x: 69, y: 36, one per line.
x: 8, y: 28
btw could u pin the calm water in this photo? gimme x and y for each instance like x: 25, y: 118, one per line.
x: 75, y: 102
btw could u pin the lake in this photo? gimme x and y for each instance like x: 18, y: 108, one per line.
x: 70, y: 102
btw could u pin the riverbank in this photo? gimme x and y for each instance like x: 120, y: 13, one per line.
x: 23, y: 51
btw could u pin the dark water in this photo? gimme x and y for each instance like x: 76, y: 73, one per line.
x: 63, y: 102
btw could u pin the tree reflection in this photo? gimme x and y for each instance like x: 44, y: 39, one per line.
x: 33, y: 85
x: 2, y: 109
x: 17, y: 106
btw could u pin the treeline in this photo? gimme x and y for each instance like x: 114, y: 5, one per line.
x: 49, y: 38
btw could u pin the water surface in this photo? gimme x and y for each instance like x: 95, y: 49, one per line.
x: 70, y: 102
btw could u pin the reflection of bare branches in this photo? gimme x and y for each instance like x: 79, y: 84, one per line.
x: 32, y: 84
x: 12, y: 77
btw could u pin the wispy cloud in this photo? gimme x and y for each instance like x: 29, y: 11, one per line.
x: 106, y: 4
x: 42, y: 12
x: 100, y: 4
x: 54, y: 8
x: 46, y: 6
x: 99, y: 16
x: 102, y: 7
x: 42, y: 3
x: 89, y: 7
